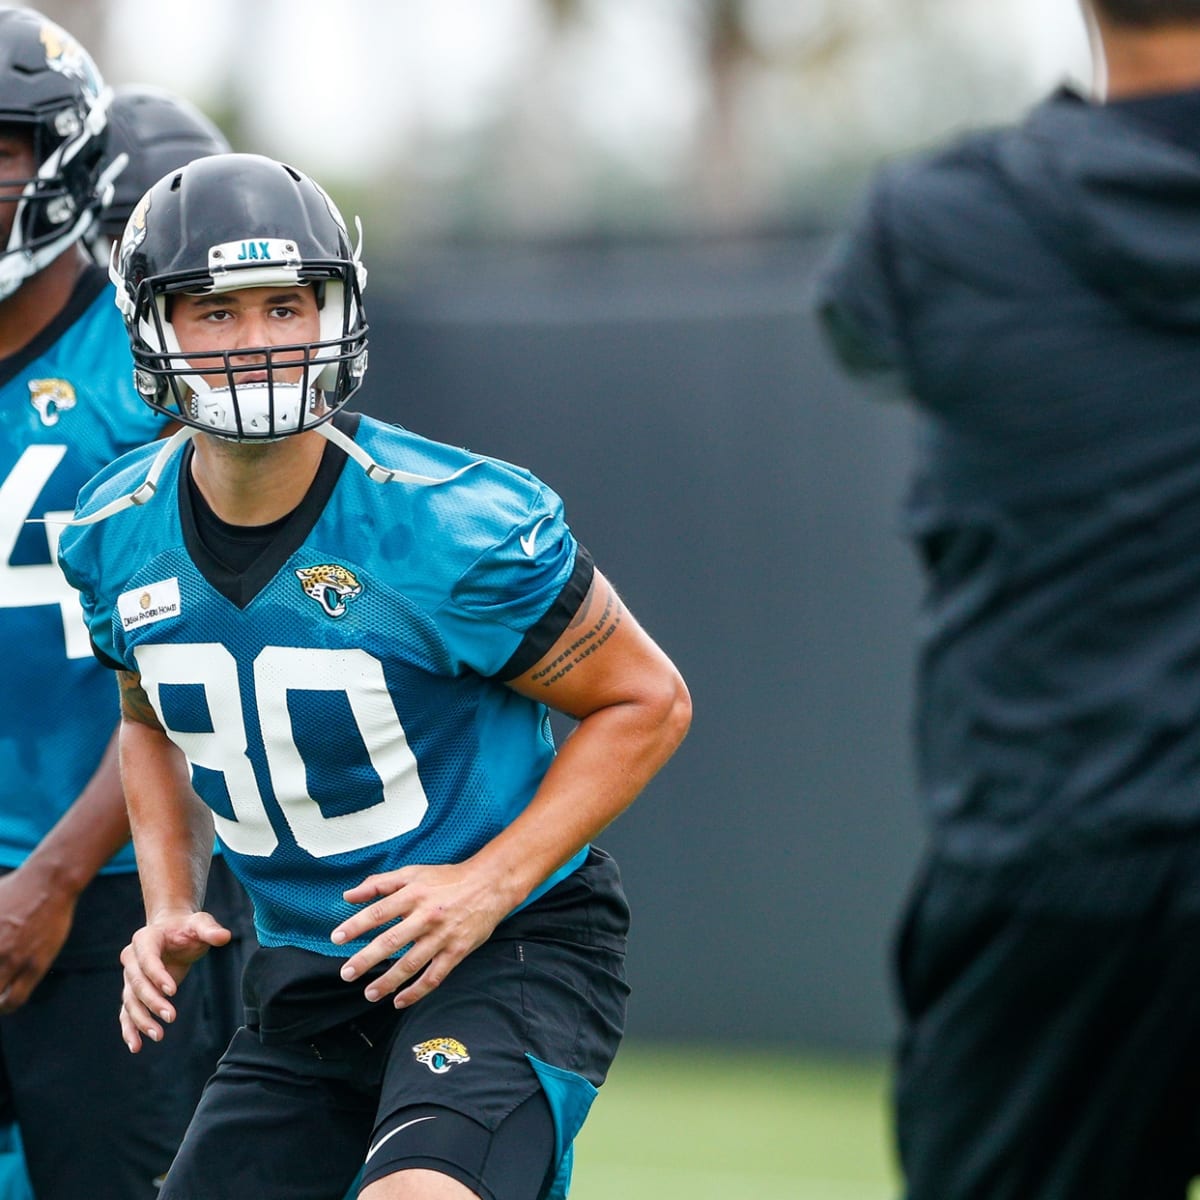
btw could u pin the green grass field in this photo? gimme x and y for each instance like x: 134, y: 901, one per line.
x: 695, y: 1124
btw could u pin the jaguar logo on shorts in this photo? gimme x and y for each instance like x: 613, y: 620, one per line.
x: 440, y: 1054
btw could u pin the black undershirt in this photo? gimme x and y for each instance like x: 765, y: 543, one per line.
x: 235, y: 547
x: 239, y: 561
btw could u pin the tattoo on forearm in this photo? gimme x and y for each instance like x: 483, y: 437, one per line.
x: 135, y: 704
x: 587, y: 643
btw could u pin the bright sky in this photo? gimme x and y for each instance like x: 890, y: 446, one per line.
x: 338, y: 87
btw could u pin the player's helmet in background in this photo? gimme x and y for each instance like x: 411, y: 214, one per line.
x: 158, y: 132
x: 235, y: 221
x: 50, y: 89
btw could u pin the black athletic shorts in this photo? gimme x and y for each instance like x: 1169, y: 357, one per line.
x: 1051, y: 1043
x: 95, y: 1120
x: 487, y: 1079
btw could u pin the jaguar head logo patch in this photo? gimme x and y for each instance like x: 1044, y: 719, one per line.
x: 440, y: 1054
x: 331, y: 586
x: 51, y: 398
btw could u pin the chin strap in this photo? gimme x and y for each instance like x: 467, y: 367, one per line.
x: 148, y: 488
x: 376, y: 473
x: 144, y: 492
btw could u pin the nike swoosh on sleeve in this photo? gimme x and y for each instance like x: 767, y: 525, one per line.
x: 528, y: 539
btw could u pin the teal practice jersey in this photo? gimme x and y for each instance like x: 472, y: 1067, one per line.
x: 67, y: 407
x: 342, y: 702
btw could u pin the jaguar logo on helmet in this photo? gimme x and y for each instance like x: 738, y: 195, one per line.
x: 135, y: 230
x: 52, y: 88
x: 66, y: 56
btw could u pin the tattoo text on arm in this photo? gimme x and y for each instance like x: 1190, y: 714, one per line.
x: 586, y: 643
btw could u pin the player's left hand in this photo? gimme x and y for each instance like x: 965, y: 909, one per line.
x: 446, y: 911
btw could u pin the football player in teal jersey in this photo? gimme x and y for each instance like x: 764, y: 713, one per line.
x: 69, y: 894
x: 338, y: 644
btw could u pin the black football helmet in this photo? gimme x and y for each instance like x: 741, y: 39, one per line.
x: 50, y: 88
x: 158, y: 132
x: 235, y: 221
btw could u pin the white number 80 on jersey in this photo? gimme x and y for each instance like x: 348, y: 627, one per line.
x: 278, y: 670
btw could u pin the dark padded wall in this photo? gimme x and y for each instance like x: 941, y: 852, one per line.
x: 742, y: 496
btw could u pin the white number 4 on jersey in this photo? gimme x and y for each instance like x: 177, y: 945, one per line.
x: 34, y: 584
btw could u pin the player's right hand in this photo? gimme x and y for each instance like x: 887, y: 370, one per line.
x: 155, y: 962
x: 35, y: 918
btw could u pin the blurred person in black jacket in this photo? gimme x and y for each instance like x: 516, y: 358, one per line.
x: 1035, y: 293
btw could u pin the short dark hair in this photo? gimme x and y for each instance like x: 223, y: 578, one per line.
x: 1147, y: 13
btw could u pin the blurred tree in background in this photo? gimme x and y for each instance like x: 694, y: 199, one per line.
x: 535, y: 117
